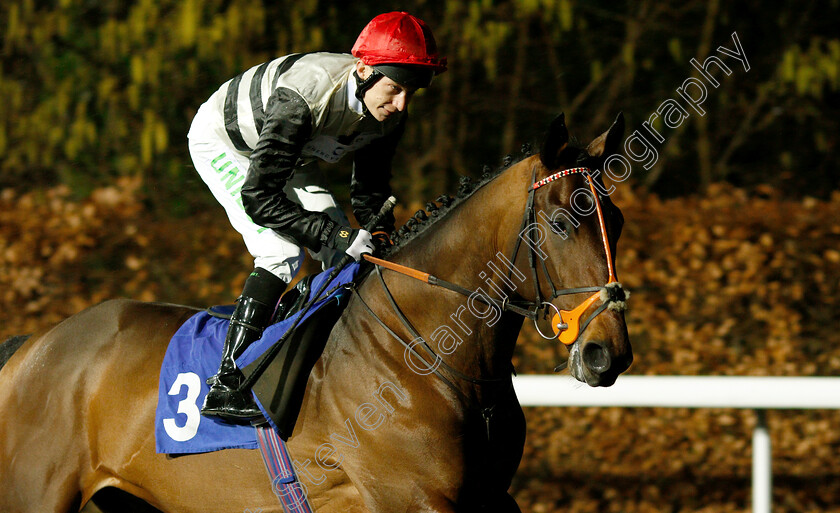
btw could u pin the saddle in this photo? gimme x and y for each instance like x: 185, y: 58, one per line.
x: 280, y: 376
x: 277, y: 366
x: 281, y: 384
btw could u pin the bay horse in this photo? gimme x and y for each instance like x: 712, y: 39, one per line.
x: 78, y: 400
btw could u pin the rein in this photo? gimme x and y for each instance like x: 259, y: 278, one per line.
x: 612, y: 292
x: 435, y: 281
x: 565, y: 323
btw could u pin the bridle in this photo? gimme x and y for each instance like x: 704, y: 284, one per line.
x: 566, y: 324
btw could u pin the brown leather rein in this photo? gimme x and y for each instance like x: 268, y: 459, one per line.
x: 566, y: 324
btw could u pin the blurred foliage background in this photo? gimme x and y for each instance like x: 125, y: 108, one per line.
x: 95, y: 90
x: 731, y: 239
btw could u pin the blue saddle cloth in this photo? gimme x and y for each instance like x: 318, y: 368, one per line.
x: 193, y: 356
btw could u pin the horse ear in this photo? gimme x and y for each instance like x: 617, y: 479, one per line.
x: 608, y: 143
x: 555, y: 140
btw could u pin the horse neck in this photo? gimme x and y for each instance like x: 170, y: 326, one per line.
x: 464, y: 248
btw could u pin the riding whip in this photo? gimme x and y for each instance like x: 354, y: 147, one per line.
x: 347, y: 259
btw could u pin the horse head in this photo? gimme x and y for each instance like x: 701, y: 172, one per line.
x: 570, y: 232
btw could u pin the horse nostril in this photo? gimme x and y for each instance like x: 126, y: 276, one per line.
x: 596, y: 357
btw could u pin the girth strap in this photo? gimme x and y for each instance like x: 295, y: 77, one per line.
x: 278, y: 463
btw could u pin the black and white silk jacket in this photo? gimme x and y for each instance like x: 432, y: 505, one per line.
x: 293, y: 110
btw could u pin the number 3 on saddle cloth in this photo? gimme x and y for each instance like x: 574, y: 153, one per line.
x: 193, y: 356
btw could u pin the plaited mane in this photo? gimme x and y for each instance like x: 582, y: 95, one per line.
x: 467, y: 186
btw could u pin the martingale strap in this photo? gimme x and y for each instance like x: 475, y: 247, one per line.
x: 487, y: 412
x: 412, y: 349
x: 417, y: 336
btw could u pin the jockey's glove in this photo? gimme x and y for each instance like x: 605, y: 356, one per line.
x: 354, y: 242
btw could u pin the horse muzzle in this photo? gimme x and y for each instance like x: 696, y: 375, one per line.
x: 596, y: 363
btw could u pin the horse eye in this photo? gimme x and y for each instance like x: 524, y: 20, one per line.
x: 559, y: 228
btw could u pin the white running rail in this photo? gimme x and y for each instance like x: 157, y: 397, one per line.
x: 740, y: 392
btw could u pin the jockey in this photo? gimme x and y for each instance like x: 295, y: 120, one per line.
x: 256, y: 143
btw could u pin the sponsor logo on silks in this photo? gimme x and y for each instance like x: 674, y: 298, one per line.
x: 343, y: 235
x: 232, y: 180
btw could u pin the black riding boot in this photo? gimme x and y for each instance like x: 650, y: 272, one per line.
x: 253, y: 313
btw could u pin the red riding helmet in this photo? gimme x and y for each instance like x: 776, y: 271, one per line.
x: 398, y: 38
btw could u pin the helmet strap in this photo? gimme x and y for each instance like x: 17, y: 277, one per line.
x: 362, y: 85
